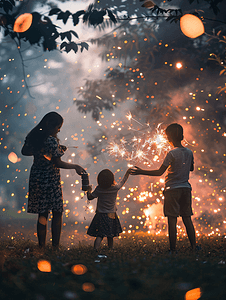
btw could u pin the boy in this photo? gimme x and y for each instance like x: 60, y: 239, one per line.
x: 177, y: 202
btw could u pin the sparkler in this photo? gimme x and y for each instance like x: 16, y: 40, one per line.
x: 146, y: 148
x: 130, y: 117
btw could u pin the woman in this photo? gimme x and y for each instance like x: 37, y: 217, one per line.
x: 45, y: 191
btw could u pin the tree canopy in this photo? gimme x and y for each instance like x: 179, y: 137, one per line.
x: 43, y: 32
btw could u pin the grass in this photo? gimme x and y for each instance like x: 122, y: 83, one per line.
x: 139, y: 267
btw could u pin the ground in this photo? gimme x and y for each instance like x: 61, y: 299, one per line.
x: 139, y: 267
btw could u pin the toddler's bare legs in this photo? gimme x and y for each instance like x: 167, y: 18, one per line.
x: 110, y: 242
x: 172, y: 229
x: 190, y: 230
x: 97, y: 242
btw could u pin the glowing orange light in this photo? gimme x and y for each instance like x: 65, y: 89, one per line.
x: 191, y: 26
x: 44, y: 265
x: 13, y: 157
x: 194, y: 294
x: 88, y: 287
x: 148, y: 4
x: 179, y: 65
x: 48, y: 157
x: 78, y: 269
x: 23, y: 23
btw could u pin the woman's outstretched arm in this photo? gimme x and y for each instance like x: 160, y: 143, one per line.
x: 64, y: 165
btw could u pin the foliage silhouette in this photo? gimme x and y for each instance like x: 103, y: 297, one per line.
x: 44, y: 32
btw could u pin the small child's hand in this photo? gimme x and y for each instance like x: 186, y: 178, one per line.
x: 89, y: 189
x: 129, y: 171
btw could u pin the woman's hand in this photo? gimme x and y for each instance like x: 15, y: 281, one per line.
x: 136, y: 171
x: 64, y: 148
x: 79, y: 170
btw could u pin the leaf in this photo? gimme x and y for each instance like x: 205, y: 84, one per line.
x: 7, y: 6
x: 74, y: 33
x: 64, y: 44
x: 66, y: 34
x: 6, y: 32
x: 218, y: 33
x: 222, y: 71
x: 54, y: 11
x: 111, y: 16
x: 85, y: 45
x: 173, y: 19
x: 220, y: 89
x: 76, y: 16
x: 64, y: 16
x: 72, y: 46
x: 68, y: 47
x: 86, y: 16
x: 96, y: 17
x: 214, y: 7
x: 12, y: 2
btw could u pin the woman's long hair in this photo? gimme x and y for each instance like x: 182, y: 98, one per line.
x: 37, y: 136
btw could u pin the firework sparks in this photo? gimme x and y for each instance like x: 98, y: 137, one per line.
x: 146, y: 148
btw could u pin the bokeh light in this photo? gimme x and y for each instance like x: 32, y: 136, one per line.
x: 191, y: 26
x: 44, y: 265
x: 23, y: 22
x: 88, y: 287
x: 194, y: 294
x: 79, y: 269
x: 179, y: 65
x: 12, y: 157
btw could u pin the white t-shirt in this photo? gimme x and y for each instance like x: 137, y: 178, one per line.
x: 106, y: 198
x: 179, y: 162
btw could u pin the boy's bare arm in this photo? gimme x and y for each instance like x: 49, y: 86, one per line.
x: 158, y: 172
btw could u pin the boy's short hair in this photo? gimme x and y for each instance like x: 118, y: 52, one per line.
x: 175, y: 131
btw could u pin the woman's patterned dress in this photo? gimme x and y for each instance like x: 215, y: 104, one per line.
x: 45, y: 191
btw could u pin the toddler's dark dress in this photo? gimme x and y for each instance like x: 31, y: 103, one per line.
x: 105, y: 222
x: 45, y: 191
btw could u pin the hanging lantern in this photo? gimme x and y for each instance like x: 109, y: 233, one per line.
x: 23, y: 23
x: 191, y: 26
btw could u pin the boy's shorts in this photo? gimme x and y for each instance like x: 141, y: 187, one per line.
x: 177, y: 202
